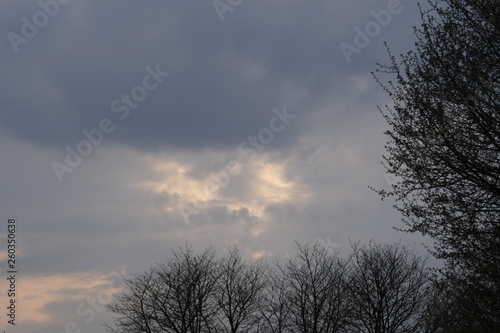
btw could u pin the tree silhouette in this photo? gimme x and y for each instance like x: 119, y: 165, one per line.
x: 313, y: 292
x: 445, y: 140
x: 389, y: 286
x: 316, y: 291
x: 176, y: 296
x: 238, y: 293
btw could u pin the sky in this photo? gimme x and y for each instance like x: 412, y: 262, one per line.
x: 128, y: 128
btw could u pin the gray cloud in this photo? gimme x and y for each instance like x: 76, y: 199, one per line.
x: 118, y: 206
x: 225, y: 76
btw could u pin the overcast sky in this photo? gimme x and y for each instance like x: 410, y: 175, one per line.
x: 130, y: 127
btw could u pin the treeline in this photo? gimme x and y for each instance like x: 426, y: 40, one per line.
x: 378, y: 288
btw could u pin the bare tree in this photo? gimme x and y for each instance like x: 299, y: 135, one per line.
x: 316, y: 290
x: 176, y: 296
x: 134, y: 308
x: 238, y: 293
x: 274, y: 310
x: 388, y: 288
x: 381, y: 289
x: 185, y: 304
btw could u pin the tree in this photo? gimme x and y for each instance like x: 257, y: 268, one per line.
x: 274, y: 309
x: 388, y: 287
x: 380, y: 289
x: 135, y: 306
x: 316, y: 292
x: 445, y: 140
x: 238, y: 293
x: 457, y: 308
x: 176, y: 296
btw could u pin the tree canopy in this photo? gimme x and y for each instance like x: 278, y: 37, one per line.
x: 444, y: 141
x: 314, y: 292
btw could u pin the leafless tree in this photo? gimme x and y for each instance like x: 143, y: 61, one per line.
x: 134, y: 308
x: 176, y: 296
x: 238, y: 293
x: 381, y: 289
x: 316, y: 293
x: 388, y: 288
x: 274, y: 309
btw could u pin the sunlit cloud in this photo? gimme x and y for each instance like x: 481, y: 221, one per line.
x: 253, y: 186
x: 40, y: 291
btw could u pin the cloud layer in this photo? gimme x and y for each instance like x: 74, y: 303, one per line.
x: 159, y: 159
